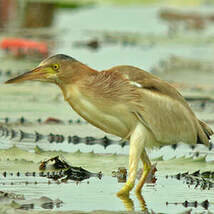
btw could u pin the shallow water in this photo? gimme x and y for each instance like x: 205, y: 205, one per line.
x: 100, y: 194
x: 36, y: 100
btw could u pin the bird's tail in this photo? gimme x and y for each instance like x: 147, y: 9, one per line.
x: 204, y: 133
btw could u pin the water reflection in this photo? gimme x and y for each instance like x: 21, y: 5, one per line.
x: 129, y: 203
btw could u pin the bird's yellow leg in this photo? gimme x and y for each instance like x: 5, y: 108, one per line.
x: 136, y: 146
x: 146, y: 169
x: 134, y: 157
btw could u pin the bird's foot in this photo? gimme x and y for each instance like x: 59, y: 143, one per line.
x: 125, y: 189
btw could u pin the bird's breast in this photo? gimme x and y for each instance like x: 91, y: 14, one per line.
x: 114, y: 119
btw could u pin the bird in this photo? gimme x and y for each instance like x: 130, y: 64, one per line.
x: 127, y: 102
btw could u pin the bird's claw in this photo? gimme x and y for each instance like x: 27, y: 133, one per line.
x: 125, y: 190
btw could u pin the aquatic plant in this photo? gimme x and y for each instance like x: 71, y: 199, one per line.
x: 203, y: 180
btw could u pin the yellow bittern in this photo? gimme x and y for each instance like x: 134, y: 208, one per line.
x: 127, y: 102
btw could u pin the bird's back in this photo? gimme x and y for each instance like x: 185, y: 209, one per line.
x: 164, y: 107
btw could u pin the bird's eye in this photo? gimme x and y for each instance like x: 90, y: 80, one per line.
x: 56, y: 67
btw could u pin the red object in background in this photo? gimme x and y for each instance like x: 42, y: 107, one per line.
x: 24, y: 47
x: 53, y: 120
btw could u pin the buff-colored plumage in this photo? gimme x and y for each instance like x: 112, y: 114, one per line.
x: 127, y: 102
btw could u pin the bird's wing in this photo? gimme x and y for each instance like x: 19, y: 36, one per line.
x: 161, y: 108
x: 164, y: 111
x: 146, y: 80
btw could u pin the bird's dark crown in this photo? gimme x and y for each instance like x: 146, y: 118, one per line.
x: 61, y: 57
x: 57, y: 59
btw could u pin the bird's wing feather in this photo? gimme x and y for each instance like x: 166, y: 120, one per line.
x: 146, y: 80
x: 161, y: 108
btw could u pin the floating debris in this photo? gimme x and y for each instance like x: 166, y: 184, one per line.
x: 21, y: 136
x: 57, y: 164
x: 205, y: 204
x: 204, y: 180
x: 10, y: 195
x: 92, y: 44
x: 120, y: 174
x: 132, y: 39
x: 50, y: 120
x: 54, y: 168
x: 175, y: 63
x: 57, y: 138
x: 18, y: 201
x: 185, y: 20
x: 24, y: 204
x: 67, y: 172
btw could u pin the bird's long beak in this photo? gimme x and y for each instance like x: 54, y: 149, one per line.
x: 36, y: 74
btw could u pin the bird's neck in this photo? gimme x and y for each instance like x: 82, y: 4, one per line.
x: 75, y: 72
x: 80, y: 73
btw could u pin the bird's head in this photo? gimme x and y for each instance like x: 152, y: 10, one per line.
x: 54, y: 69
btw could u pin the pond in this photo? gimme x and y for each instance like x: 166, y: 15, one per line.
x: 38, y: 102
